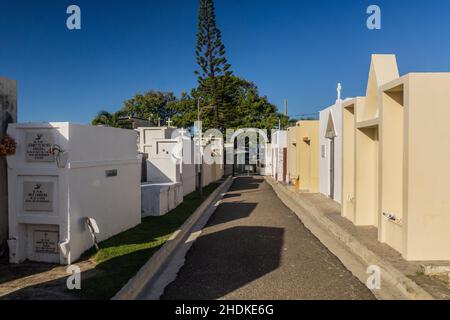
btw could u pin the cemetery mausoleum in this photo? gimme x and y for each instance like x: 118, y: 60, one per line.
x: 308, y: 155
x: 331, y: 151
x: 70, y: 186
x: 395, y: 164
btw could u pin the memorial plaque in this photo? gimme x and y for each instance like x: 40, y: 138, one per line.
x: 38, y: 196
x: 38, y: 145
x: 46, y: 242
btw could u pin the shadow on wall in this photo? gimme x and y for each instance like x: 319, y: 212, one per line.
x: 155, y: 174
x: 229, y: 264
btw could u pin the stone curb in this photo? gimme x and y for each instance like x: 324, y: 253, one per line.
x: 153, y: 267
x: 394, y: 277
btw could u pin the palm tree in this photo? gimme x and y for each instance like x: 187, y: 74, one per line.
x: 106, y: 119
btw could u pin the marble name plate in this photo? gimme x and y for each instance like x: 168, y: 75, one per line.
x: 38, y: 145
x: 45, y: 242
x: 38, y: 196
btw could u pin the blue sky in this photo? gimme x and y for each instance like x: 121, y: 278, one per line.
x: 296, y: 50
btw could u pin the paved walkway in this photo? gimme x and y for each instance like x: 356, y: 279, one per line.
x: 254, y: 247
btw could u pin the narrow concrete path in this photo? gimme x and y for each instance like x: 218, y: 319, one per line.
x: 254, y: 247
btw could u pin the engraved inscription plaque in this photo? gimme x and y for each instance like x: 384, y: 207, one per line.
x: 38, y: 145
x: 46, y: 242
x: 38, y: 196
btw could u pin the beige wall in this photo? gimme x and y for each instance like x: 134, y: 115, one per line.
x: 396, y: 160
x: 392, y: 157
x: 361, y: 188
x: 308, y: 155
x: 366, y: 176
x: 348, y: 159
x: 415, y: 183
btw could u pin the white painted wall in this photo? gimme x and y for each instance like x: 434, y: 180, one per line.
x: 188, y: 173
x: 267, y: 169
x: 159, y: 143
x: 325, y: 146
x: 279, y: 142
x: 160, y: 198
x: 81, y: 188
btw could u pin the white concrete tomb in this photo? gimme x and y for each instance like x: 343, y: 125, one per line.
x: 61, y: 175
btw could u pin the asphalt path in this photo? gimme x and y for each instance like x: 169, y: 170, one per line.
x: 254, y: 247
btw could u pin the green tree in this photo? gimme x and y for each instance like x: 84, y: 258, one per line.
x: 156, y: 106
x: 214, y: 67
x: 210, y: 50
x: 106, y: 119
x: 243, y: 107
x: 186, y: 111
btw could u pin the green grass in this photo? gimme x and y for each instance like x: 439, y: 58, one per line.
x: 121, y: 256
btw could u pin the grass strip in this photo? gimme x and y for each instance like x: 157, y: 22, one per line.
x: 121, y: 256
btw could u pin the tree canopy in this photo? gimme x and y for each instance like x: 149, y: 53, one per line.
x: 226, y: 101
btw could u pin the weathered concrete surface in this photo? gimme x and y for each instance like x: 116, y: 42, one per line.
x: 161, y: 269
x: 368, y: 237
x: 254, y: 247
x: 358, y: 247
x: 40, y: 281
x: 8, y: 114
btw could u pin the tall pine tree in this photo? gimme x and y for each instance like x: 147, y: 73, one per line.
x: 214, y: 68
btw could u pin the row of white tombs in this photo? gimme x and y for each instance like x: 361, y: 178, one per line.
x: 70, y: 185
x: 383, y: 156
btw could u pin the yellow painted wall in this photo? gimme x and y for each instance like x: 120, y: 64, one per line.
x: 361, y: 174
x: 348, y: 160
x: 366, y: 176
x: 392, y: 158
x: 423, y: 231
x: 308, y: 155
x: 396, y: 160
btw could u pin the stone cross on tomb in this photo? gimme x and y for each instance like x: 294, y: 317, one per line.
x: 169, y: 123
x: 182, y: 132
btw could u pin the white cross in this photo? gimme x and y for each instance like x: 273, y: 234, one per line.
x: 339, y: 89
x: 182, y: 132
x: 169, y: 122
